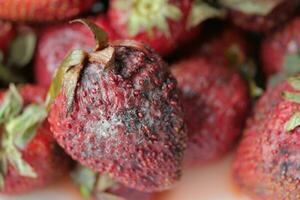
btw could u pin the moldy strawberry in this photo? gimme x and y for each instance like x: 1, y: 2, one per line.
x: 266, y: 165
x: 116, y: 110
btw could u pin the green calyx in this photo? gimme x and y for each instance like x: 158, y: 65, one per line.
x: 145, y: 15
x: 21, y: 52
x: 91, y: 183
x: 202, y: 11
x: 290, y: 68
x: 294, y: 121
x: 255, y: 7
x: 19, y: 126
x: 291, y: 64
x: 247, y: 68
x: 68, y: 74
x: 22, y: 49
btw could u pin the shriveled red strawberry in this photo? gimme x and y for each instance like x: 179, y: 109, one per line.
x: 280, y: 51
x: 116, y: 110
x: 260, y: 15
x: 57, y: 41
x: 30, y: 157
x: 42, y: 11
x: 162, y: 24
x: 102, y: 187
x: 7, y: 34
x: 267, y: 161
x: 216, y: 102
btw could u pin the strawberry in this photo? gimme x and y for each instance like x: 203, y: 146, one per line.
x: 57, y: 41
x: 260, y: 15
x: 267, y: 160
x: 116, y: 111
x: 162, y: 24
x: 280, y: 51
x: 30, y: 157
x: 42, y: 11
x: 227, y: 46
x: 101, y: 186
x: 216, y: 102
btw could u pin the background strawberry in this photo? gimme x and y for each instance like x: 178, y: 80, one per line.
x: 30, y: 157
x: 42, y: 11
x: 101, y: 186
x: 260, y: 15
x: 162, y: 24
x: 211, y: 95
x: 280, y: 51
x: 270, y: 148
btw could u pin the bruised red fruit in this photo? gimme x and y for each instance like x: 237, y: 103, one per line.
x: 30, y: 157
x: 7, y: 34
x: 116, y: 110
x: 280, y: 51
x: 57, y: 41
x: 162, y: 24
x: 260, y: 15
x: 266, y: 165
x: 101, y: 186
x: 216, y: 101
x: 42, y: 11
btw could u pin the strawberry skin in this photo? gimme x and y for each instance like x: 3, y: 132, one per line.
x: 265, y: 23
x: 164, y: 40
x: 57, y: 41
x: 42, y: 153
x: 280, y: 47
x: 42, y: 11
x: 133, y: 127
x: 7, y: 34
x: 216, y: 102
x: 266, y: 164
